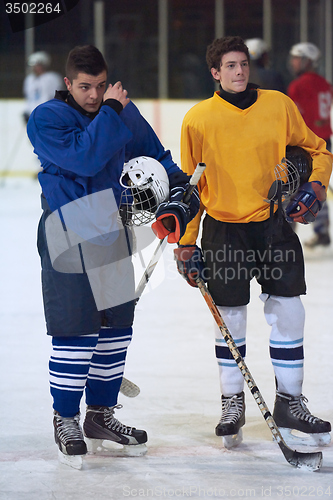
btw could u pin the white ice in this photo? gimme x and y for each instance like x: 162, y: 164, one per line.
x: 172, y: 359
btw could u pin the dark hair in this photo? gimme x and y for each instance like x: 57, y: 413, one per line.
x: 221, y: 46
x: 85, y: 59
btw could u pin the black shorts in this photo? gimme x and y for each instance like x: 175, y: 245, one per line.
x: 236, y: 253
x: 69, y: 305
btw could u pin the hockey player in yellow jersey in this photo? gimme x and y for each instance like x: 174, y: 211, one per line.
x: 241, y: 133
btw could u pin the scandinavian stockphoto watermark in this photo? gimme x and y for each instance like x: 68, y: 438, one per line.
x: 87, y: 235
x: 228, y: 264
x: 195, y: 491
x: 188, y: 492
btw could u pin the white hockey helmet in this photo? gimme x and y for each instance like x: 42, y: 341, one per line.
x: 257, y: 47
x: 40, y: 57
x: 306, y: 50
x: 146, y: 186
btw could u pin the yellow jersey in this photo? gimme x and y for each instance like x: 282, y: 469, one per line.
x: 240, y: 148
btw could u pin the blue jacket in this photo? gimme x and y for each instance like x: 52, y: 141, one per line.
x: 80, y: 155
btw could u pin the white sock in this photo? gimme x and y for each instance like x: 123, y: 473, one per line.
x: 286, y: 316
x: 231, y: 378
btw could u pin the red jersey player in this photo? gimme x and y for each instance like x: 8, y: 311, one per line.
x: 313, y: 96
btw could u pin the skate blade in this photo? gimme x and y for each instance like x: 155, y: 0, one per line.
x: 297, y: 438
x: 110, y: 448
x: 74, y: 461
x: 233, y: 440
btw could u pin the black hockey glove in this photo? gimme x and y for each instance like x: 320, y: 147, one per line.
x: 190, y: 263
x: 306, y: 203
x: 179, y: 183
x: 173, y: 216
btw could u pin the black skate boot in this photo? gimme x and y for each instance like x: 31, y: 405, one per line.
x: 291, y: 414
x: 106, y: 435
x: 69, y: 438
x: 319, y: 239
x: 232, y: 419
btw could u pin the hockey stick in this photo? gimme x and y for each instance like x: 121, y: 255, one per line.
x: 127, y: 387
x: 149, y: 269
x: 310, y: 461
x: 161, y: 244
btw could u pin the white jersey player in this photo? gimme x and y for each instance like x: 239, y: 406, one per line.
x: 40, y: 85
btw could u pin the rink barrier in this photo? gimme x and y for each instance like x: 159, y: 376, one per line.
x: 17, y: 157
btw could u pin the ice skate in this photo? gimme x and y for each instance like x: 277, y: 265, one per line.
x: 232, y: 419
x: 69, y: 438
x: 318, y: 240
x: 317, y: 248
x: 297, y: 425
x: 107, y: 436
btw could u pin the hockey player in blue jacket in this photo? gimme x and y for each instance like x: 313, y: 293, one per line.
x: 82, y: 138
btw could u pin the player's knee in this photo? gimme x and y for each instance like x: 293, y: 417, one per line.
x: 287, y: 313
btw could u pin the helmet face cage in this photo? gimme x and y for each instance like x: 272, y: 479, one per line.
x: 146, y: 186
x: 286, y: 176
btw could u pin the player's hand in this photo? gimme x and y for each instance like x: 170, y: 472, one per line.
x: 190, y: 263
x: 117, y: 92
x: 179, y: 182
x: 173, y: 216
x: 171, y: 220
x: 306, y: 203
x: 169, y: 224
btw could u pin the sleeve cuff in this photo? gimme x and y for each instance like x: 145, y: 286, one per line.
x: 114, y: 104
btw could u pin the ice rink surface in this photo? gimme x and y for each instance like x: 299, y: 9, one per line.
x: 172, y: 359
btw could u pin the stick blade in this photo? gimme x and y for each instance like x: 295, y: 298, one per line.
x: 129, y: 389
x: 302, y: 460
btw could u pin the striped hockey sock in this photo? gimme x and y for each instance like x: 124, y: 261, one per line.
x: 93, y: 362
x: 107, y: 366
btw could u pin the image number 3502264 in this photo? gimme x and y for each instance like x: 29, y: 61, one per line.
x: 24, y: 15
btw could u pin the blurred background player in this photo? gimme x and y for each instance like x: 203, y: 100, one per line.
x: 312, y: 95
x: 40, y: 85
x: 261, y: 72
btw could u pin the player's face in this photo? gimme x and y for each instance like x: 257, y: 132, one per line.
x: 296, y: 65
x: 88, y: 90
x: 234, y: 72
